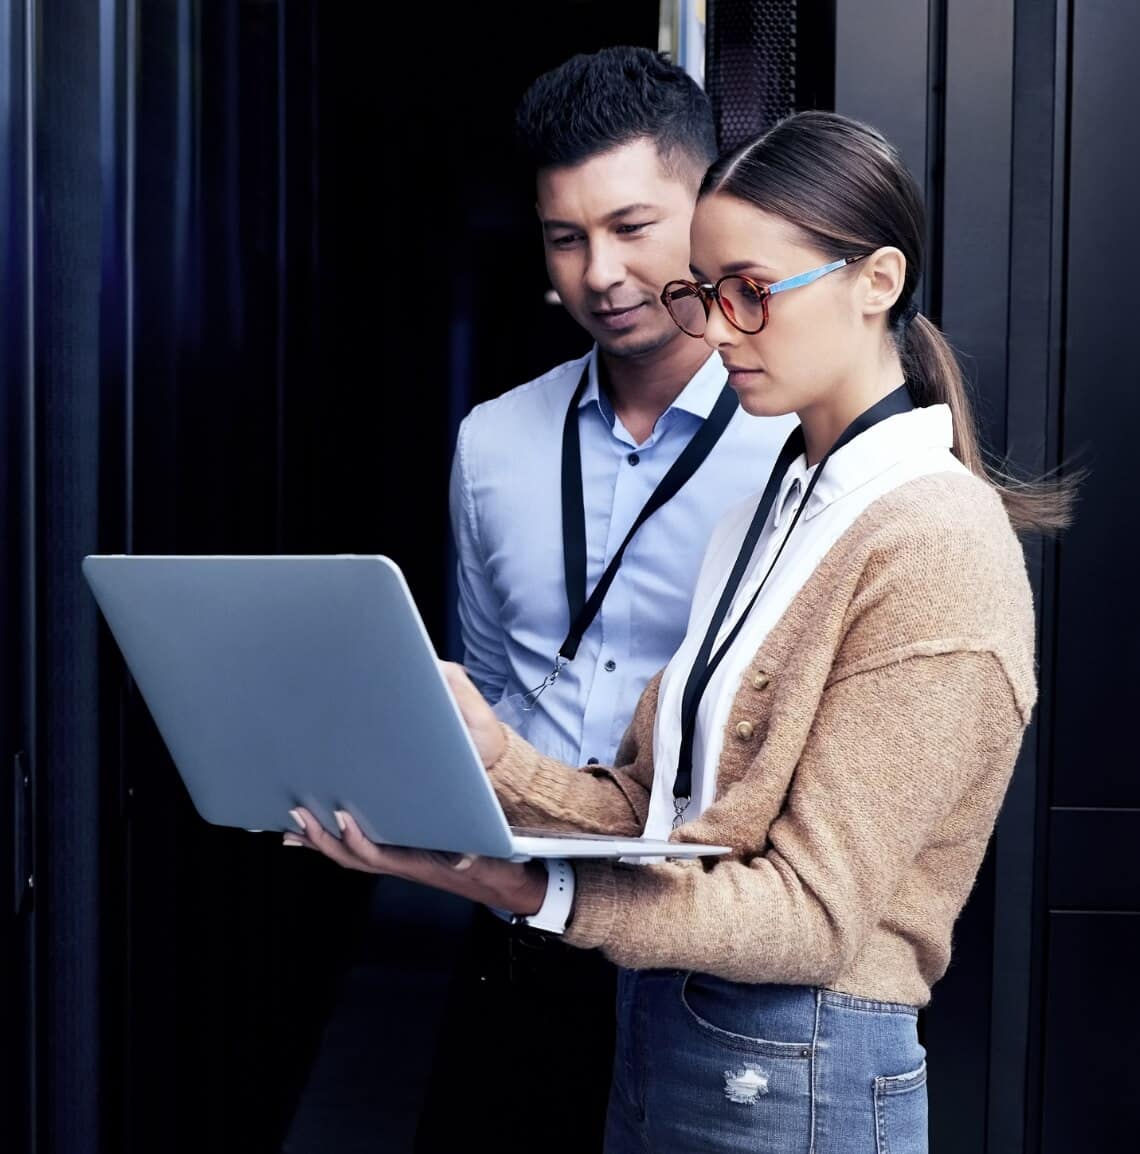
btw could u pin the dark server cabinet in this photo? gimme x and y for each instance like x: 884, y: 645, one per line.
x: 1093, y: 883
x: 17, y: 740
x: 244, y: 294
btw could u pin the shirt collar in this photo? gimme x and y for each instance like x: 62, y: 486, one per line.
x: 697, y: 397
x: 868, y: 456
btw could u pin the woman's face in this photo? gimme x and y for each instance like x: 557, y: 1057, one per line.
x: 814, y: 333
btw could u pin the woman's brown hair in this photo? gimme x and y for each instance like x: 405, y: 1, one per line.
x: 846, y: 188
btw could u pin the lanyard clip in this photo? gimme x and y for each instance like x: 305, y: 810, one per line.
x: 680, y: 804
x: 530, y: 699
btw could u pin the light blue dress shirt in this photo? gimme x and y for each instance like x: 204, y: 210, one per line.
x: 506, y: 513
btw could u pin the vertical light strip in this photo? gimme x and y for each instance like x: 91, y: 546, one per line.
x: 282, y: 278
x: 31, y: 533
x: 130, y: 96
x: 185, y: 187
x: 30, y: 458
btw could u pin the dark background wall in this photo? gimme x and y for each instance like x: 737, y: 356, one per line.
x: 257, y: 259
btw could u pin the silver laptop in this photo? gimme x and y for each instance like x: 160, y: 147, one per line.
x: 278, y: 681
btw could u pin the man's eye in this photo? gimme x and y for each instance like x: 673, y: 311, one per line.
x: 627, y: 229
x: 565, y: 240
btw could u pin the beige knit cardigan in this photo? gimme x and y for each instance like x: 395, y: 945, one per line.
x: 866, y: 755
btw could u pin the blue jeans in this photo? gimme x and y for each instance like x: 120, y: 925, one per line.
x: 706, y: 1066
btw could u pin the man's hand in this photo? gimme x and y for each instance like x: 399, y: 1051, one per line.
x: 486, y: 730
x: 519, y: 887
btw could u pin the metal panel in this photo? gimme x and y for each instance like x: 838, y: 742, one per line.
x: 1098, y: 678
x: 750, y: 66
x: 1093, y: 863
x: 67, y: 238
x: 875, y: 39
x: 1091, y: 1099
x: 18, y: 992
x: 1032, y: 420
x: 117, y: 26
x: 976, y: 171
x: 976, y: 195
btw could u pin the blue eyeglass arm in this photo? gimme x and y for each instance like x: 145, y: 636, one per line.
x: 807, y: 277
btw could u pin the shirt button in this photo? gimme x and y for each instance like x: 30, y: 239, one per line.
x: 591, y: 761
x: 761, y: 681
x: 611, y: 665
x: 744, y: 730
x: 633, y: 458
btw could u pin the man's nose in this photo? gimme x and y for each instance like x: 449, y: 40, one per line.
x: 605, y: 268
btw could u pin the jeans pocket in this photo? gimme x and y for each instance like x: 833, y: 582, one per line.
x: 901, y: 1113
x: 723, y: 1010
x: 738, y: 1075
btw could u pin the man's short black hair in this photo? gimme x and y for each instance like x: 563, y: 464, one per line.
x: 597, y: 101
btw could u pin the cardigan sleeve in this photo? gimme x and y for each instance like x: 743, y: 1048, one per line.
x: 536, y: 790
x: 892, y: 751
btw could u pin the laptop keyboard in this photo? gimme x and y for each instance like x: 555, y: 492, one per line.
x: 530, y: 831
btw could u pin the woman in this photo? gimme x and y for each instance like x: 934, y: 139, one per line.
x: 844, y: 712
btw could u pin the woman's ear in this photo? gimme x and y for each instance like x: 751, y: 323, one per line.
x: 882, y: 275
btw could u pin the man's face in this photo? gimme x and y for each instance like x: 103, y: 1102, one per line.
x: 615, y: 229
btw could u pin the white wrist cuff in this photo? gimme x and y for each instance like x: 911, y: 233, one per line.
x: 554, y: 912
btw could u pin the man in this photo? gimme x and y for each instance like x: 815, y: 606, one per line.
x: 562, y: 629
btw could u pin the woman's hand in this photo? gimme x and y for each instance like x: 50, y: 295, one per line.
x: 485, y: 728
x: 515, y: 886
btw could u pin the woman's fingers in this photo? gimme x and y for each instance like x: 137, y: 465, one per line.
x: 493, y: 881
x: 318, y: 838
x: 353, y: 850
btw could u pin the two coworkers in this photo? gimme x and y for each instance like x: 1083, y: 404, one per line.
x: 640, y: 435
x: 844, y: 709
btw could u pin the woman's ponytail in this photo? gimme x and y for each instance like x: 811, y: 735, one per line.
x: 935, y: 377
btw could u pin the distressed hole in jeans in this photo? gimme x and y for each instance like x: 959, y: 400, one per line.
x: 745, y: 1085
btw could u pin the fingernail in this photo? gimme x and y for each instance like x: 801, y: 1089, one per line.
x: 342, y: 825
x: 464, y: 863
x: 288, y: 839
x: 296, y: 816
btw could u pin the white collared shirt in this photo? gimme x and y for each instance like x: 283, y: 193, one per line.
x: 890, y: 453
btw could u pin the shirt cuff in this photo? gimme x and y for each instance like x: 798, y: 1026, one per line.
x: 554, y: 912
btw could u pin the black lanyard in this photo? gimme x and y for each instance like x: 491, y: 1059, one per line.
x: 584, y: 609
x: 703, y: 668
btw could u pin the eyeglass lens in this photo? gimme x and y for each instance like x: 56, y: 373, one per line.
x: 740, y: 300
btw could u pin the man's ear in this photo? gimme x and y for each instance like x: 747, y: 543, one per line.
x: 882, y: 275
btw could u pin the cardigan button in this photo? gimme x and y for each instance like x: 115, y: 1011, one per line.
x: 744, y: 730
x: 761, y: 681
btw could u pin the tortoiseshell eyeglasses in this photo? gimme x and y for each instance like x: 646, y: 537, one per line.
x: 742, y: 300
